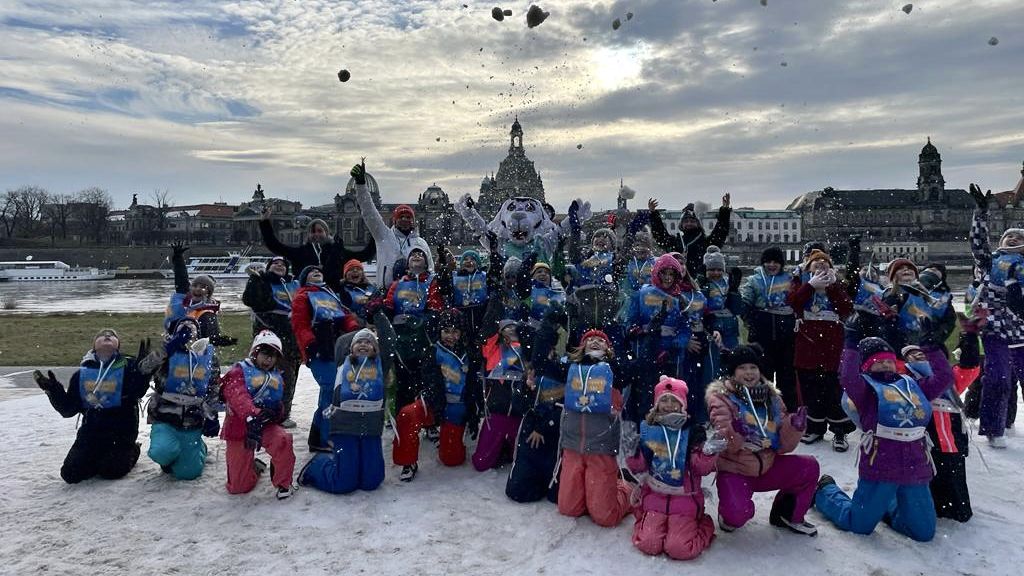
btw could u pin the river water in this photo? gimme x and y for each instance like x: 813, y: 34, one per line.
x: 107, y: 296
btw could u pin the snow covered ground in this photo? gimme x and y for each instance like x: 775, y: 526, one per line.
x: 448, y: 521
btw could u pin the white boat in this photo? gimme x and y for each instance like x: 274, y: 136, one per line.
x: 49, y: 271
x: 234, y: 265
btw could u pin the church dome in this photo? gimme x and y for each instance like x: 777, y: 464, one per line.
x: 929, y: 151
x: 371, y: 185
x: 434, y: 196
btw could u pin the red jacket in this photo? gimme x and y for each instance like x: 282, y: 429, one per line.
x: 302, y: 319
x: 818, y: 344
x: 435, y: 301
x: 240, y: 405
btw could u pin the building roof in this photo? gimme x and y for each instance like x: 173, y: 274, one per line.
x: 885, y: 198
x: 752, y: 214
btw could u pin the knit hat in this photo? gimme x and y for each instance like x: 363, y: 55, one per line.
x: 933, y: 281
x: 773, y: 254
x: 898, y: 263
x: 450, y: 318
x: 319, y: 221
x: 206, y: 281
x: 511, y: 268
x: 471, y: 254
x: 689, y: 212
x: 281, y: 259
x: 108, y: 332
x: 908, y: 349
x: 403, y: 209
x: 305, y: 273
x: 1008, y: 232
x: 814, y: 245
x: 673, y: 387
x: 540, y: 266
x: 365, y: 334
x: 666, y: 262
x: 266, y: 338
x: 607, y: 232
x: 353, y: 263
x: 595, y: 333
x: 873, y: 349
x: 714, y: 259
x: 748, y: 354
x: 502, y: 324
x: 815, y: 255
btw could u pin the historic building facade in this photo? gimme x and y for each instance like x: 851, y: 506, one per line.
x: 516, y: 176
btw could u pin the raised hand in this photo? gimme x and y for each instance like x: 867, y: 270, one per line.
x: 46, y: 383
x: 735, y: 278
x: 981, y: 200
x: 652, y: 204
x: 359, y: 172
x: 178, y: 248
x: 726, y: 198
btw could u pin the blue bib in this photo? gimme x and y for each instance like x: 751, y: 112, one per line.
x: 411, y: 296
x: 1001, y: 263
x: 359, y: 297
x: 550, y: 391
x: 469, y: 289
x: 716, y: 293
x: 760, y: 422
x: 639, y: 273
x: 913, y: 310
x: 648, y: 303
x: 365, y: 381
x: 589, y: 388
x: 668, y: 451
x: 326, y: 306
x: 903, y: 409
x: 176, y: 310
x: 773, y: 289
x: 453, y: 371
x: 189, y: 374
x: 593, y: 269
x: 102, y: 388
x: 865, y: 290
x: 282, y: 293
x: 541, y: 299
x: 266, y: 388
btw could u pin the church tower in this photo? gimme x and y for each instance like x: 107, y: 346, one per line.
x: 931, y: 187
x: 516, y: 176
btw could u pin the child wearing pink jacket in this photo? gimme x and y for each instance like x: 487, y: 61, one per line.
x: 670, y: 461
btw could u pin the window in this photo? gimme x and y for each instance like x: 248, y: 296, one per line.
x: 785, y: 225
x: 760, y: 225
x: 785, y: 237
x: 750, y: 225
x: 775, y: 225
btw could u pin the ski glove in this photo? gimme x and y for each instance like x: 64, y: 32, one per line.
x: 629, y: 441
x: 177, y: 342
x: 574, y: 217
x: 799, y: 419
x: 980, y: 200
x: 211, y: 427
x: 359, y: 173
x: 178, y: 249
x: 735, y: 278
x: 715, y: 444
x: 473, y: 427
x: 253, y: 432
x: 46, y: 383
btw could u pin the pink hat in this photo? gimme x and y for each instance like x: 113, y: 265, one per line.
x: 673, y: 387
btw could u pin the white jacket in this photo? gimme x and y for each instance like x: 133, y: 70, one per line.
x: 391, y: 243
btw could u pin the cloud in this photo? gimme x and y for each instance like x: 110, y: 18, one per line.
x: 684, y: 101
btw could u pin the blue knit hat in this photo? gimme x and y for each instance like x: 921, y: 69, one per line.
x: 471, y: 254
x: 305, y: 273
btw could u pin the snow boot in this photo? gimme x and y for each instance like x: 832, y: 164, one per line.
x: 408, y: 473
x: 725, y: 527
x: 283, y: 493
x: 811, y: 438
x: 997, y: 442
x: 839, y: 443
x: 259, y: 466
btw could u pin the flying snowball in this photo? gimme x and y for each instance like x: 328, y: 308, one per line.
x: 344, y: 75
x: 993, y: 41
x: 497, y: 14
x: 616, y: 23
x: 535, y: 16
x: 907, y: 8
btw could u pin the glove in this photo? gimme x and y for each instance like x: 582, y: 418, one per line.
x: 556, y: 315
x: 178, y: 248
x: 253, y: 432
x: 715, y: 444
x: 799, y: 419
x: 980, y: 200
x: 638, y: 222
x: 574, y: 216
x: 374, y: 305
x: 852, y: 331
x: 46, y: 383
x: 629, y: 440
x: 211, y: 427
x: 735, y: 278
x: 473, y: 427
x: 222, y: 340
x: 819, y: 280
x: 359, y: 172
x: 199, y: 346
x: 658, y: 319
x: 930, y: 333
x: 144, y: 348
x: 177, y: 342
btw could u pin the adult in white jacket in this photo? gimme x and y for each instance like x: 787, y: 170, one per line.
x: 392, y: 241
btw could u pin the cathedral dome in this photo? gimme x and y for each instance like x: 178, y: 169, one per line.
x: 929, y: 152
x: 433, y: 196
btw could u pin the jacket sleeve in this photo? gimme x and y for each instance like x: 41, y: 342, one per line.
x: 849, y: 378
x: 257, y: 295
x: 236, y: 396
x: 748, y: 294
x: 302, y: 321
x: 435, y: 300
x: 980, y: 248
x: 371, y: 217
x: 524, y: 280
x: 68, y: 402
x: 720, y: 233
x: 840, y: 299
x: 136, y: 382
x: 389, y: 300
x: 721, y: 415
x: 702, y: 464
x: 667, y: 242
x: 789, y: 437
x: 799, y: 293
x: 942, y: 374
x: 181, y: 282
x: 387, y: 339
x: 432, y: 384
x: 276, y: 246
x: 364, y: 254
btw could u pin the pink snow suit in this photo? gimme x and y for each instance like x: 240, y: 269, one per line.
x: 675, y: 524
x: 746, y: 467
x: 242, y: 477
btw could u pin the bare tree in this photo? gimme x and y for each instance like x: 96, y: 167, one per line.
x: 55, y: 214
x: 94, y: 204
x: 9, y: 212
x: 162, y: 201
x: 29, y: 202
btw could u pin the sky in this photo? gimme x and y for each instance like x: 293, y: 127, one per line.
x: 685, y: 101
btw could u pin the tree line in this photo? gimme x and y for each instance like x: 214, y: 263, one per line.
x: 33, y: 212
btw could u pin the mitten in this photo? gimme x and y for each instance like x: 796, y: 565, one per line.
x: 211, y: 427
x: 359, y: 173
x: 799, y: 419
x: 253, y: 432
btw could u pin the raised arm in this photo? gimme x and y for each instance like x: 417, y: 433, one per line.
x: 668, y: 242
x: 979, y: 229
x: 272, y: 243
x: 371, y: 217
x: 181, y: 281
x: 720, y: 233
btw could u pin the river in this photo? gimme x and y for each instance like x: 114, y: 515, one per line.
x: 107, y: 296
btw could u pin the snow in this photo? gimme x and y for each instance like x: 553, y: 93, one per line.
x: 446, y: 521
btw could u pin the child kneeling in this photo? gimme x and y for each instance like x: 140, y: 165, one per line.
x: 670, y: 462
x: 254, y: 392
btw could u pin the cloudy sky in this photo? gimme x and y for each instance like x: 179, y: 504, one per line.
x: 686, y: 100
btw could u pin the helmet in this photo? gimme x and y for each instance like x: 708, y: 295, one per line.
x: 266, y: 338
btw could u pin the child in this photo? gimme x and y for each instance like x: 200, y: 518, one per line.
x: 318, y: 319
x: 355, y: 419
x: 894, y: 465
x: 821, y: 303
x: 254, y: 391
x: 184, y: 406
x: 770, y: 321
x: 748, y: 412
x: 589, y: 478
x: 449, y: 396
x: 356, y: 292
x: 506, y: 397
x: 670, y: 517
x: 723, y: 299
x: 105, y: 391
x: 194, y: 299
x: 269, y: 295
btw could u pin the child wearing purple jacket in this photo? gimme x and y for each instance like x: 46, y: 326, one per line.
x: 894, y: 463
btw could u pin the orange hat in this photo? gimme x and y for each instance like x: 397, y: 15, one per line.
x: 817, y: 255
x: 403, y: 209
x: 353, y: 263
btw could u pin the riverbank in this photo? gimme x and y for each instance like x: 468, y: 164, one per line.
x: 62, y: 339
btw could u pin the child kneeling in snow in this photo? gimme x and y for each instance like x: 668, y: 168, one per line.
x: 748, y: 412
x: 254, y: 392
x: 894, y: 464
x: 355, y: 419
x: 670, y: 461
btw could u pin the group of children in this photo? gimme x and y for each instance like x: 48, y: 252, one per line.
x: 612, y: 381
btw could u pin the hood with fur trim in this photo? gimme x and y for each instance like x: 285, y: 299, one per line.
x: 418, y: 243
x: 661, y: 263
x: 724, y: 387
